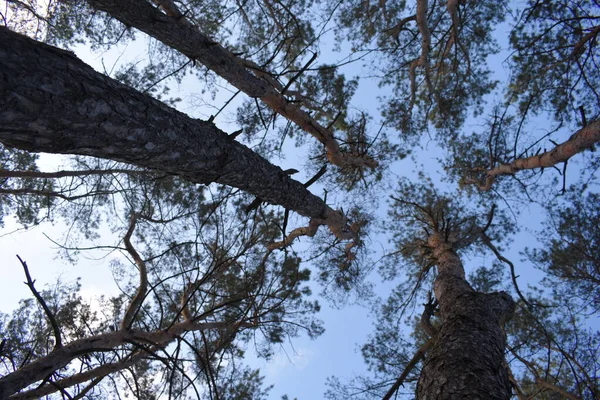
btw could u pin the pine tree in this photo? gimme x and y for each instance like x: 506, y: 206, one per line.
x: 190, y: 203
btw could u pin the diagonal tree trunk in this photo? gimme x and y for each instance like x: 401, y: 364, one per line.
x: 50, y: 101
x: 467, y: 359
x: 177, y: 33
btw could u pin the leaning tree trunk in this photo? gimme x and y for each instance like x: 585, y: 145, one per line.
x: 50, y: 101
x: 467, y: 359
x: 175, y: 32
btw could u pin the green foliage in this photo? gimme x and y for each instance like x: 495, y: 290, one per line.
x: 455, y: 78
x: 555, y: 59
x: 27, y: 332
x: 570, y: 256
x: 550, y: 340
x: 14, y: 198
x: 245, y: 384
x: 487, y: 280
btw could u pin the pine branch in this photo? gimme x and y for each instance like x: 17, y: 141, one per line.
x: 583, y: 139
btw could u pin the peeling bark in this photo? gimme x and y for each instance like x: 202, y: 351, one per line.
x: 452, y: 8
x: 52, y: 102
x: 467, y: 359
x: 179, y: 34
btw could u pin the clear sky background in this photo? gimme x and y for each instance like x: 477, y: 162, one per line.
x: 300, y: 367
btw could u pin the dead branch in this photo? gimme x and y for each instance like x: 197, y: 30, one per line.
x: 428, y: 312
x: 488, y: 243
x: 40, y: 299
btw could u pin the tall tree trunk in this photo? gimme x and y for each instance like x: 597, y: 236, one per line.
x: 50, y: 101
x: 175, y: 32
x: 467, y: 359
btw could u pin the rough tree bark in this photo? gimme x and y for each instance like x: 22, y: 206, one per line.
x: 176, y: 32
x: 50, y: 101
x: 467, y: 358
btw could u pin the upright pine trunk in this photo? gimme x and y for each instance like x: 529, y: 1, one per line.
x: 467, y: 359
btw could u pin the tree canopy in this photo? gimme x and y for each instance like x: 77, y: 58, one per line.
x: 395, y: 154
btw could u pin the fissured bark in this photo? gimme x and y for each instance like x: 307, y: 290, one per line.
x: 467, y: 358
x: 50, y: 101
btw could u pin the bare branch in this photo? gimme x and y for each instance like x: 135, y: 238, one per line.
x: 515, y: 383
x: 540, y: 381
x: 396, y: 29
x: 140, y: 294
x: 316, y: 177
x: 36, y: 192
x: 488, y: 243
x: 579, y: 47
x: 40, y: 299
x: 61, y: 357
x: 547, y: 385
x: 452, y: 8
x: 89, y: 387
x: 309, y: 231
x: 428, y: 312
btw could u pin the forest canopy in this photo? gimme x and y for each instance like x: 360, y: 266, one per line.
x: 240, y: 165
